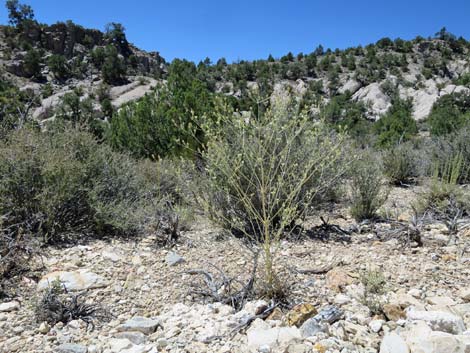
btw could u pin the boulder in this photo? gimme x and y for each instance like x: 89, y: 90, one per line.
x: 131, y: 92
x: 350, y: 86
x: 421, y: 339
x: 438, y: 320
x: 118, y: 345
x: 373, y: 95
x: 376, y: 325
x: 111, y: 255
x: 74, y: 281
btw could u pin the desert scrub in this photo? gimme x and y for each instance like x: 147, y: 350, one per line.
x: 367, y: 192
x: 374, y: 283
x: 443, y: 199
x: 400, y: 164
x: 444, y: 149
x: 63, y: 185
x: 263, y: 175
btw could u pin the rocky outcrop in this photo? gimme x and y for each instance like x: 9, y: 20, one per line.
x: 61, y: 38
x: 373, y: 96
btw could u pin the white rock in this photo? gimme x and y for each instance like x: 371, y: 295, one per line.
x: 415, y: 293
x: 9, y: 306
x: 139, y: 324
x: 135, y: 337
x: 117, y: 345
x: 465, y: 294
x: 392, y: 343
x: 272, y: 337
x: 351, y: 85
x: 440, y: 301
x: 436, y: 342
x: 74, y: 281
x: 162, y: 342
x: 264, y: 349
x: 110, y: 255
x: 71, y: 348
x: 44, y: 328
x: 341, y: 299
x: 132, y: 92
x: 373, y: 94
x: 254, y: 307
x: 376, y: 325
x: 438, y: 320
x: 173, y: 259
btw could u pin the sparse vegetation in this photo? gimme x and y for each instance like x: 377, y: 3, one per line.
x: 367, y: 193
x: 264, y: 175
x: 63, y: 186
x: 114, y: 161
x: 374, y: 283
x: 56, y: 305
x: 400, y: 164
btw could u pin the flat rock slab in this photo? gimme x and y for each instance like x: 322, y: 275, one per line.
x: 140, y: 324
x: 74, y: 281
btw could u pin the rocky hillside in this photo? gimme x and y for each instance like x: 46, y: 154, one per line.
x: 49, y: 61
x: 421, y: 69
x: 52, y: 60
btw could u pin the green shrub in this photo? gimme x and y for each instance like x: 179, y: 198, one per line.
x: 374, y: 283
x: 113, y: 68
x: 449, y: 114
x: 168, y: 121
x: 396, y: 125
x: 63, y: 185
x: 266, y: 174
x: 443, y: 194
x: 32, y: 63
x: 400, y: 164
x: 443, y: 149
x: 367, y: 193
x: 58, y: 65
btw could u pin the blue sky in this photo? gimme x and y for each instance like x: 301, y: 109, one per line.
x: 243, y: 29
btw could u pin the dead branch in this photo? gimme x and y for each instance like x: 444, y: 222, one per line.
x: 223, y: 289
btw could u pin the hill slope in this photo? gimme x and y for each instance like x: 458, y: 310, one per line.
x: 49, y: 61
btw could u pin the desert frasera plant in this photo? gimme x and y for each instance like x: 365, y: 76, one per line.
x: 264, y: 174
x: 367, y: 192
